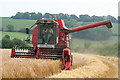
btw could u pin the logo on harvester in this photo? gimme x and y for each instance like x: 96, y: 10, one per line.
x: 46, y: 46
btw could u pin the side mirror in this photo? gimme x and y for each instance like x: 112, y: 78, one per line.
x: 27, y: 30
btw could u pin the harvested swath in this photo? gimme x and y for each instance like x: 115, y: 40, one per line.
x: 27, y: 67
x: 80, y: 60
x: 91, y: 66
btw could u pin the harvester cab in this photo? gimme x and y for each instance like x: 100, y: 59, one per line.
x: 51, y: 40
x: 48, y: 32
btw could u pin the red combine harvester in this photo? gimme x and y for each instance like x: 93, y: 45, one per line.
x: 51, y: 40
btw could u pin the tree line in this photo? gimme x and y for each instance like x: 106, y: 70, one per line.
x: 80, y: 18
x: 8, y: 43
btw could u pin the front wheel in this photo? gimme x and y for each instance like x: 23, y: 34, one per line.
x: 66, y: 59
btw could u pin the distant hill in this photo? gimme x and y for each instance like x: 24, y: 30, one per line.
x: 17, y: 23
x: 26, y: 23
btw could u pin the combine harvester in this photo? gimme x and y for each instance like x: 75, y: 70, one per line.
x: 51, y: 40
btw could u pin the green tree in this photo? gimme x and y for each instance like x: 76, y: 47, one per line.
x: 33, y: 15
x: 7, y: 36
x: 26, y: 15
x: 47, y: 15
x: 19, y: 43
x: 55, y: 16
x: 19, y: 15
x: 6, y: 43
x: 63, y: 16
x: 10, y: 28
x: 71, y: 23
x: 84, y: 18
x: 94, y: 18
x: 39, y: 15
x: 113, y: 19
x: 97, y: 18
x: 73, y: 17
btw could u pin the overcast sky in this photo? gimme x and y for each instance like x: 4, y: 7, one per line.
x: 90, y: 7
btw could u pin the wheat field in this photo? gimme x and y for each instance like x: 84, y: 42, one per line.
x: 27, y: 67
x: 84, y: 66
